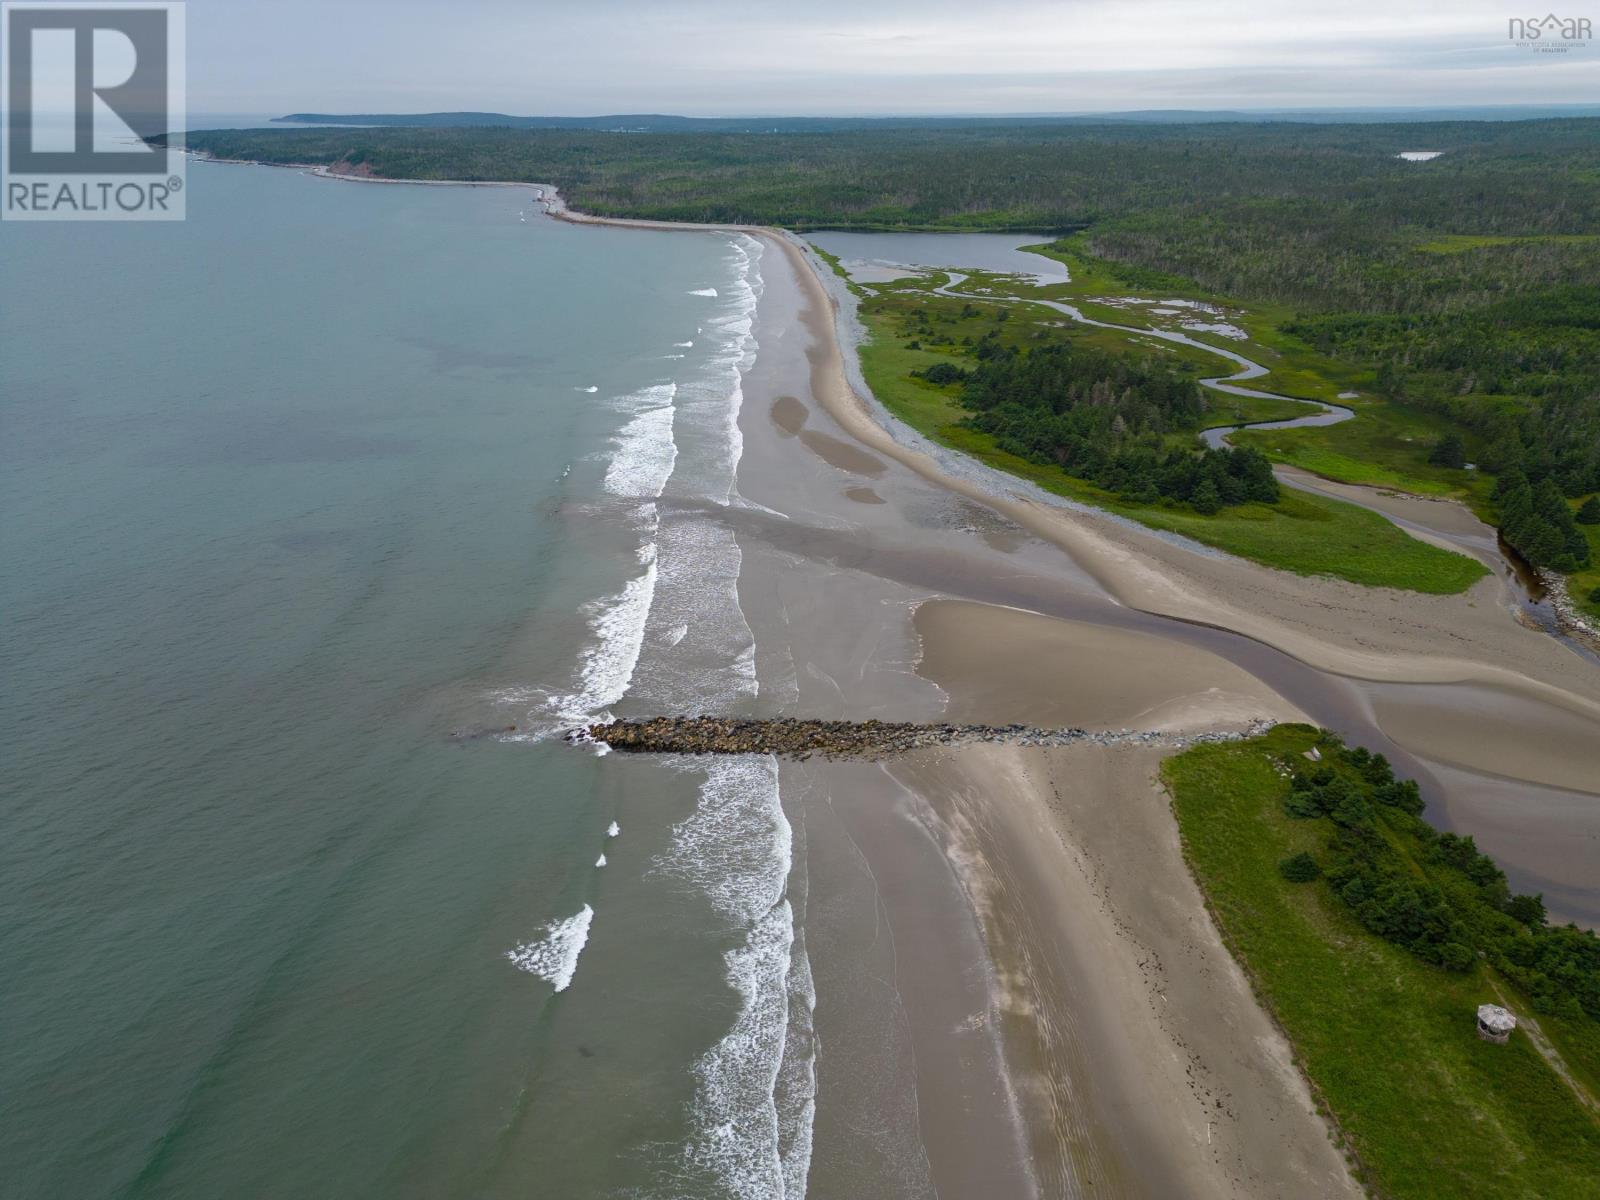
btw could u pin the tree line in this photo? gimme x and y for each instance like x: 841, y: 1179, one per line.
x: 1432, y: 893
x: 1467, y: 284
x: 1106, y: 418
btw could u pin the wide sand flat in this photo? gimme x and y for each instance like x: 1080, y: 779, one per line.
x: 1144, y: 1064
x: 1003, y: 665
x: 1369, y: 633
x: 1138, y: 1058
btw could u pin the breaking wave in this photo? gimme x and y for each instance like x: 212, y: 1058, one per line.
x: 755, y: 1088
x: 554, y: 957
x: 643, y: 451
x: 607, y: 664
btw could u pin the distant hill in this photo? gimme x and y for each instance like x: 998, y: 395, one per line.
x: 668, y: 123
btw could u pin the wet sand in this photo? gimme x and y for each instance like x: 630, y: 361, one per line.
x: 1335, y: 626
x: 1145, y: 1066
x: 843, y: 455
x: 992, y: 979
x: 1125, y: 1021
x: 1473, y: 727
x: 1003, y: 665
x: 1338, y: 631
x: 1019, y: 990
x: 1096, y: 1039
x: 789, y: 414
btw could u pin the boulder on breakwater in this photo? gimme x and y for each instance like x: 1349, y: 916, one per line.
x: 800, y: 738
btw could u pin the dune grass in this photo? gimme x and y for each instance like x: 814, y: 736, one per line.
x: 1387, y: 1040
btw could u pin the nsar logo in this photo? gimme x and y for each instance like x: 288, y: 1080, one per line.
x: 1550, y: 34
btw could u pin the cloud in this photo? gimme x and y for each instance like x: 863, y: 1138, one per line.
x: 842, y: 56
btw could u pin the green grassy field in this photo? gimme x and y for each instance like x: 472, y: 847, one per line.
x: 833, y: 262
x: 1308, y: 535
x: 1388, y: 1040
x: 1293, y: 368
x: 1241, y: 410
x: 1385, y: 445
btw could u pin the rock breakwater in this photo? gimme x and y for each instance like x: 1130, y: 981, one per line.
x: 800, y: 738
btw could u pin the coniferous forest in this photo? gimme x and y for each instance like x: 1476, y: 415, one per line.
x: 1469, y: 284
x: 1105, y: 418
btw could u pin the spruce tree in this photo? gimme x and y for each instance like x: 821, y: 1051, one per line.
x: 1449, y: 452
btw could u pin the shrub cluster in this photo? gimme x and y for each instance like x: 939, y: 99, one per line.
x: 1431, y: 892
x: 1105, y: 418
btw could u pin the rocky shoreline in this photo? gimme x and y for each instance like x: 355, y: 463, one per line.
x: 800, y: 738
x: 1568, y: 619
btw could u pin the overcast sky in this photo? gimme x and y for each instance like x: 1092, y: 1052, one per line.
x: 752, y: 57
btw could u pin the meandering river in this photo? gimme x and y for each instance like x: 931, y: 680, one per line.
x: 1536, y: 824
x: 1439, y: 522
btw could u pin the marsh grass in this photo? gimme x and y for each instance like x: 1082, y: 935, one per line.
x: 1304, y: 534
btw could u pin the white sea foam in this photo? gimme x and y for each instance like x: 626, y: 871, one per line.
x: 642, y: 459
x: 736, y: 844
x: 693, y: 651
x: 683, y: 345
x: 737, y: 1124
x: 590, y: 389
x: 696, y: 611
x: 737, y: 848
x: 554, y: 956
x: 701, y: 655
x: 643, y: 450
x: 607, y: 664
x: 755, y: 1087
x: 795, y: 1090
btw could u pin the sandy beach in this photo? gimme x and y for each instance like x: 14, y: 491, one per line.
x: 1056, y: 999
x: 1132, y: 1050
x: 1141, y: 1062
x: 1016, y: 973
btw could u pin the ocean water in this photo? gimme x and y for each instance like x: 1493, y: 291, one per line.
x: 321, y: 512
